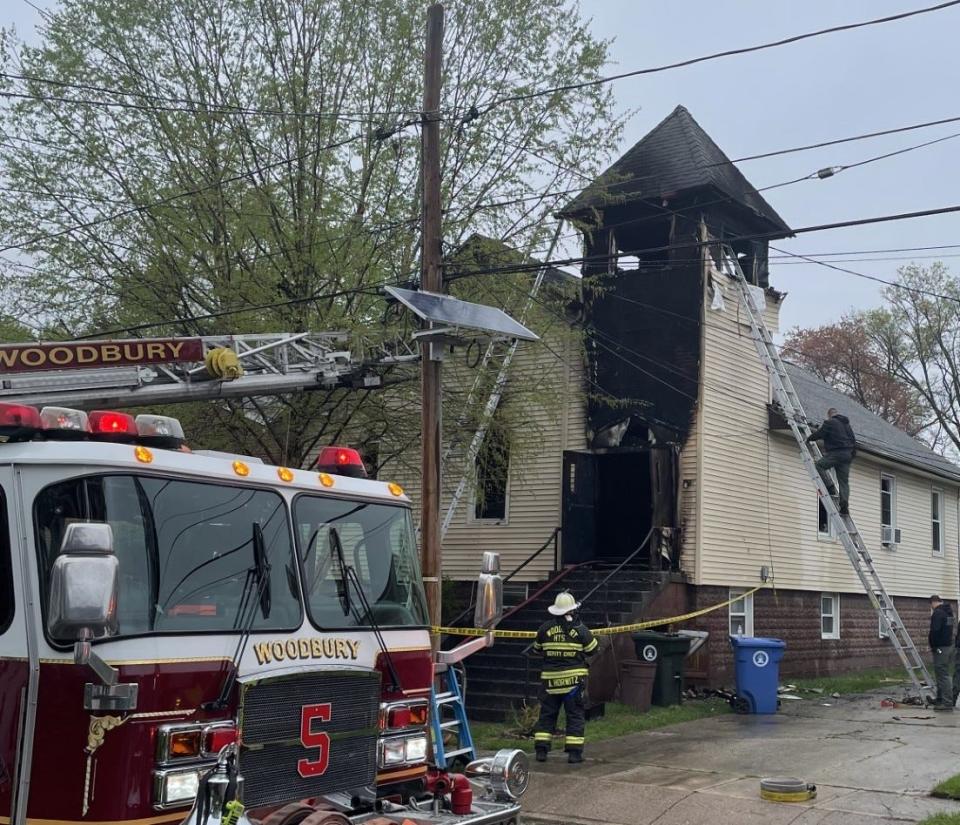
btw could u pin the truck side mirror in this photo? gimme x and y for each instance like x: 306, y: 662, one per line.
x: 489, y: 607
x: 83, y: 585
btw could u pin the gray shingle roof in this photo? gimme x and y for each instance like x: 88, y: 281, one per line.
x: 874, y: 434
x: 677, y: 155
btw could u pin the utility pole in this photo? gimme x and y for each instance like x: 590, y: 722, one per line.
x: 431, y: 280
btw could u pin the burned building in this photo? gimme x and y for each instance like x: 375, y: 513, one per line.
x: 666, y: 429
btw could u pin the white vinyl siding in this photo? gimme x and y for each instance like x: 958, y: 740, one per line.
x: 533, y: 506
x: 755, y: 494
x: 741, y: 613
x: 829, y: 615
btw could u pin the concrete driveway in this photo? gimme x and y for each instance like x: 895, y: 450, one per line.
x: 871, y: 766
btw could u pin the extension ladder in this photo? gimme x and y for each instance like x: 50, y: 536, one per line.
x: 449, y: 697
x: 785, y: 395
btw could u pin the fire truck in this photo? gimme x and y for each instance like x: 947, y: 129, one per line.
x: 203, y: 637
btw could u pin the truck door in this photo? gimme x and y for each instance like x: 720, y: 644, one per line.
x: 14, y: 667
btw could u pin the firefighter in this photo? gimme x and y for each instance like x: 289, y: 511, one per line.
x: 565, y: 644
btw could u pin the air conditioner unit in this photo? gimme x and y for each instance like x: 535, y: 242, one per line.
x: 889, y: 535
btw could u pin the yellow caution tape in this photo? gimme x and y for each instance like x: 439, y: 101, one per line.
x: 600, y: 631
x: 783, y: 796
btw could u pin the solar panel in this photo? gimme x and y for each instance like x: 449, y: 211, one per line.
x: 443, y: 309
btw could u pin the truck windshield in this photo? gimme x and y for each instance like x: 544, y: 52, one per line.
x: 185, y: 550
x: 378, y: 543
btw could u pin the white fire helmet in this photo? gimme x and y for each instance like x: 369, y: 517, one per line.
x: 563, y: 604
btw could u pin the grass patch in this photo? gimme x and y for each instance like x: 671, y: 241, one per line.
x: 858, y: 682
x: 948, y: 789
x: 618, y: 721
x: 942, y: 819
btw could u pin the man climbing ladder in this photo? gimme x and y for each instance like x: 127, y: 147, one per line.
x: 839, y: 450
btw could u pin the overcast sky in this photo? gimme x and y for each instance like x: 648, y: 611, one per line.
x: 842, y: 84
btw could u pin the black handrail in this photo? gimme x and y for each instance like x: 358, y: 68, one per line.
x: 620, y: 566
x: 517, y: 569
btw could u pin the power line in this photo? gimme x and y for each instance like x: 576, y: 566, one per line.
x: 716, y: 55
x: 864, y: 275
x: 184, y: 104
x: 700, y: 244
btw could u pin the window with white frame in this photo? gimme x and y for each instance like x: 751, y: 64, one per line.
x: 741, y: 613
x: 888, y: 507
x: 829, y: 615
x: 936, y: 521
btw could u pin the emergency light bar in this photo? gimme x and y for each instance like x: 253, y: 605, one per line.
x: 19, y: 422
x: 342, y: 461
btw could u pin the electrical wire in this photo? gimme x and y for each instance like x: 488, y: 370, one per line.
x: 515, y: 98
x: 185, y: 104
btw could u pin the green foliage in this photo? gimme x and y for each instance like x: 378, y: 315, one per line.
x: 267, y: 115
x: 941, y: 819
x: 858, y: 682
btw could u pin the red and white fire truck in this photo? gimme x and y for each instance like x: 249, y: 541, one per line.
x: 206, y: 637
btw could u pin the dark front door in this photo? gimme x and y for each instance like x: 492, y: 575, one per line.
x: 578, y: 526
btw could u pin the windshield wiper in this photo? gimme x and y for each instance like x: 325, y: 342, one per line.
x: 349, y: 577
x: 259, y: 573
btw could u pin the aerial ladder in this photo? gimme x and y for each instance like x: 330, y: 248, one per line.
x: 846, y: 529
x: 135, y: 372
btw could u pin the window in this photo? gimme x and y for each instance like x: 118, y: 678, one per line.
x: 936, y: 521
x: 185, y: 549
x: 493, y: 475
x: 825, y: 530
x: 6, y: 570
x: 888, y: 508
x: 830, y: 616
x: 741, y: 613
x: 378, y: 544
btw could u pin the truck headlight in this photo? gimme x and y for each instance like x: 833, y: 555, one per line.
x: 403, y: 750
x: 173, y: 788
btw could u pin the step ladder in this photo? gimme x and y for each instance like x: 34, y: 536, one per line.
x: 754, y: 303
x: 448, y: 713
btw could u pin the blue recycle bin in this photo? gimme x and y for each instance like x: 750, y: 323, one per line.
x: 757, y: 664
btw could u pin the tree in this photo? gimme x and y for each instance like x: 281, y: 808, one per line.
x: 845, y: 357
x: 207, y: 166
x: 917, y: 334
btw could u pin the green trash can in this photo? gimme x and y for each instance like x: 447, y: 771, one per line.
x: 668, y: 651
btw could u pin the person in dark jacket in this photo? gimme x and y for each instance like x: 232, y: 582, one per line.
x: 565, y: 644
x: 941, y: 645
x: 839, y: 450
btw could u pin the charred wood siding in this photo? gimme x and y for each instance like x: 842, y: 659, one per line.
x: 794, y: 616
x: 643, y: 346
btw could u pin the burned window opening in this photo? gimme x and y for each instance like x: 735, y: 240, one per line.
x: 493, y: 475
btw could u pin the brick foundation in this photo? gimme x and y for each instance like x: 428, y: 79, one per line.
x: 794, y: 616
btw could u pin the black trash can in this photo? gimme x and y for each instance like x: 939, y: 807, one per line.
x: 668, y: 650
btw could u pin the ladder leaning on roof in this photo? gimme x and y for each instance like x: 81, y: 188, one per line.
x: 785, y: 395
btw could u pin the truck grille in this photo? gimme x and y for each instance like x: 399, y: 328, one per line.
x: 270, y: 729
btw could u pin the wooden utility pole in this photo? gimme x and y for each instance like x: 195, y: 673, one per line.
x: 431, y: 280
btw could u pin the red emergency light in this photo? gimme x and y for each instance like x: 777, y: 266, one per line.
x: 106, y: 425
x: 18, y: 421
x: 342, y: 461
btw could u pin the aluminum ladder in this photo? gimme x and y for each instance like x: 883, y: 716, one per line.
x: 846, y: 530
x: 449, y: 696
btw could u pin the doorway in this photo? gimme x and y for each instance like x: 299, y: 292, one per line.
x: 609, y: 502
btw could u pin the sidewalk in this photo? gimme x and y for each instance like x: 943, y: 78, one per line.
x: 869, y: 767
